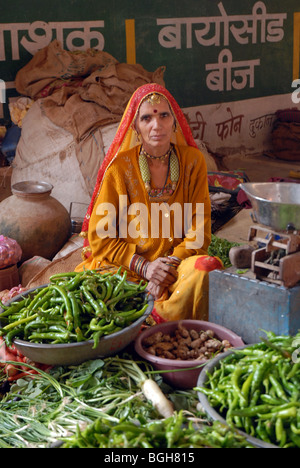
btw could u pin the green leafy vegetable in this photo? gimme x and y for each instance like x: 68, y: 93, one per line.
x: 220, y: 248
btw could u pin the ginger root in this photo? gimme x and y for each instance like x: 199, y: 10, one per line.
x: 185, y: 344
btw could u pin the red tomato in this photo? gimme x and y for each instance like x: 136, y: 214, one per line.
x: 208, y: 263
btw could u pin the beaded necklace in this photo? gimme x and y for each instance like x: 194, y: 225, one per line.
x: 157, y: 158
x: 173, y: 169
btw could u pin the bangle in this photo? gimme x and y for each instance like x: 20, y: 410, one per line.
x: 173, y: 261
x: 139, y: 265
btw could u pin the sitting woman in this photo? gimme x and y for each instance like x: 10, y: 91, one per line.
x: 150, y: 212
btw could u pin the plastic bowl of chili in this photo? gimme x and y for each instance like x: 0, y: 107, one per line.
x: 75, y: 353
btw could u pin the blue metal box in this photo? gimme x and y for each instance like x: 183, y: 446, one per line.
x: 248, y: 306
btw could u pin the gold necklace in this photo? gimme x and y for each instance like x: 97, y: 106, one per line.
x: 157, y: 158
x: 146, y: 176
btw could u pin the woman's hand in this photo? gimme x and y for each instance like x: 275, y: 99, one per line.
x: 161, y: 273
x: 155, y: 290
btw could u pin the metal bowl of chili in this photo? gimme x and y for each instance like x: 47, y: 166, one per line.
x: 210, y: 410
x: 75, y: 353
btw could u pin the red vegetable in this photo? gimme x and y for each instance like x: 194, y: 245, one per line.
x: 10, y: 252
x: 207, y: 263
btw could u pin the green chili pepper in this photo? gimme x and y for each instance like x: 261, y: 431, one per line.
x: 262, y: 432
x: 294, y: 438
x: 99, y: 307
x: 294, y: 370
x: 20, y: 322
x: 252, y: 411
x: 120, y: 284
x: 67, y: 304
x: 283, y: 414
x: 235, y: 383
x: 270, y: 400
x: 96, y: 324
x: 50, y: 336
x: 136, y: 315
x: 109, y: 290
x: 173, y: 429
x: 246, y: 387
x: 280, y: 432
x: 120, y: 321
x: 75, y: 310
x: 11, y: 335
x: 60, y: 276
x: 39, y: 297
x: 295, y: 429
x: 278, y: 387
x: 13, y: 308
x: 96, y: 338
x: 259, y: 374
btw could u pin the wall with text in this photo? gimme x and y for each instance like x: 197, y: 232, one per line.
x: 220, y: 56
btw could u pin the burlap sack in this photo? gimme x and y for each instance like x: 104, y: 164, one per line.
x: 61, y: 265
x: 82, y: 90
x: 286, y: 141
x: 52, y: 63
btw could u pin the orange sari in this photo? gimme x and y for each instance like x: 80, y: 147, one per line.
x: 119, y: 175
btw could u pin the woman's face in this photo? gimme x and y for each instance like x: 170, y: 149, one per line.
x: 155, y: 124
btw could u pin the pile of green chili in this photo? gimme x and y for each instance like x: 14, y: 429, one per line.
x: 75, y: 307
x: 177, y: 431
x: 87, y: 404
x: 257, y: 389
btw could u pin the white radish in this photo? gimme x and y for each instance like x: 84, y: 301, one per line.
x: 149, y: 387
x: 154, y: 394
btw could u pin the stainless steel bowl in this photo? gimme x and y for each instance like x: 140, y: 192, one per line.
x: 276, y: 205
x: 76, y: 353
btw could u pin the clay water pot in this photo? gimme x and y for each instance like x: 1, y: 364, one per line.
x: 38, y: 222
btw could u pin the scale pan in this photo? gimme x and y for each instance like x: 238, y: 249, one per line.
x: 276, y: 205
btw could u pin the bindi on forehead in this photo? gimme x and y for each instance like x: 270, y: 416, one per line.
x: 148, y: 110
